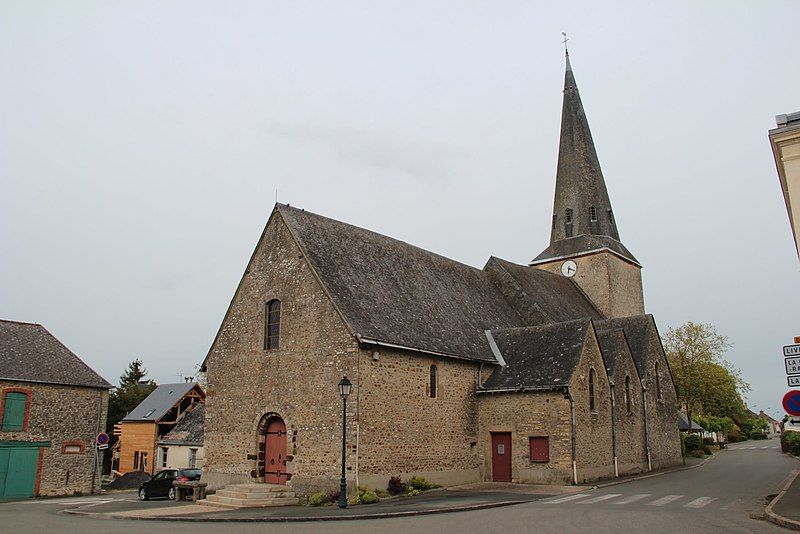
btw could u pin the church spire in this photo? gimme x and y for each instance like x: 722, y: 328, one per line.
x: 581, y: 205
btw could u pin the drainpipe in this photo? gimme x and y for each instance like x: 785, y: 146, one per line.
x: 614, y: 428
x: 646, y: 430
x: 574, y: 428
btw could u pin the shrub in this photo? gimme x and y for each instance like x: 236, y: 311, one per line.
x: 707, y: 450
x: 381, y: 493
x: 734, y: 436
x: 411, y: 492
x: 758, y: 435
x: 318, y: 498
x: 697, y: 454
x: 693, y: 442
x: 418, y: 483
x: 333, y: 496
x: 396, y: 486
x: 790, y: 442
x: 707, y: 442
x: 368, y: 497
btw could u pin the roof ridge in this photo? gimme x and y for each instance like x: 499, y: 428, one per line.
x: 543, y: 326
x: 19, y: 322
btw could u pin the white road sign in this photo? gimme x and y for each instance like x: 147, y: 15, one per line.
x: 792, y: 366
x: 793, y: 381
x: 791, y: 350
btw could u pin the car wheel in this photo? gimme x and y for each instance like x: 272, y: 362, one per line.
x: 143, y: 496
x: 171, y: 493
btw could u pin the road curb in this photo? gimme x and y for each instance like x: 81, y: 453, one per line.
x: 651, y: 475
x: 292, y: 519
x: 778, y: 519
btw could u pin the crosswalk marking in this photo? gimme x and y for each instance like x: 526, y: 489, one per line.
x: 600, y: 498
x: 632, y: 498
x: 568, y: 498
x: 699, y: 502
x: 664, y: 500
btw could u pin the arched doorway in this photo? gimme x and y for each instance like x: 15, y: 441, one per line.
x: 272, y: 450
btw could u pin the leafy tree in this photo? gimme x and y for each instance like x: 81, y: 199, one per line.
x: 132, y: 390
x: 703, y: 380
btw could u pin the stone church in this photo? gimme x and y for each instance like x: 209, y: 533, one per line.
x: 543, y: 373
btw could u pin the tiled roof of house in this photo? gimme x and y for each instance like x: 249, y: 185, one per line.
x: 160, y: 401
x: 189, y: 430
x: 538, y: 357
x: 29, y: 353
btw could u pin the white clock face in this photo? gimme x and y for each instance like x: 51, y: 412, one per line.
x: 569, y: 268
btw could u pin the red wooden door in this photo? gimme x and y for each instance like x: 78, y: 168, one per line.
x: 501, y: 457
x: 275, y: 468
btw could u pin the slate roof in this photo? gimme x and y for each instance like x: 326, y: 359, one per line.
x: 583, y: 244
x: 190, y: 429
x: 538, y: 357
x: 637, y: 330
x: 395, y: 293
x: 683, y: 423
x: 555, y: 298
x: 29, y: 353
x: 159, y: 402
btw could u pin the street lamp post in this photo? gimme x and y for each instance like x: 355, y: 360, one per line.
x: 344, y: 390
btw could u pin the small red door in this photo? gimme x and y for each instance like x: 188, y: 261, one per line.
x: 275, y: 468
x: 501, y: 457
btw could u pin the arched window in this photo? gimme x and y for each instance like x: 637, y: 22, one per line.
x: 272, y: 325
x: 628, y: 393
x: 568, y: 215
x: 610, y: 216
x: 432, y: 386
x: 591, y: 390
x: 659, y: 393
x: 15, y: 407
x: 592, y: 213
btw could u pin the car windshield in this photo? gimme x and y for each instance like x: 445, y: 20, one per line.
x: 190, y: 472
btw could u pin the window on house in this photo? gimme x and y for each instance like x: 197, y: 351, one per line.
x: 432, y: 386
x: 143, y: 461
x: 14, y: 407
x: 135, y: 460
x: 554, y: 221
x: 591, y: 390
x: 272, y: 325
x: 610, y: 216
x: 568, y: 215
x: 72, y: 447
x: 192, y: 458
x: 164, y: 451
x: 628, y: 393
x: 659, y: 392
x: 540, y: 449
x: 592, y: 213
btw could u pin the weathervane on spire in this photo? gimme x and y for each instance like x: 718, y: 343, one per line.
x: 565, y: 42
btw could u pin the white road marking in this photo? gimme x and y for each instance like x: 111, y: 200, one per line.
x: 568, y: 498
x: 83, y: 501
x: 765, y: 447
x: 632, y: 498
x: 664, y: 500
x: 601, y: 498
x: 699, y: 502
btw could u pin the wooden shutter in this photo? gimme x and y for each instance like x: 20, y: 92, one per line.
x: 540, y: 449
x: 14, y: 411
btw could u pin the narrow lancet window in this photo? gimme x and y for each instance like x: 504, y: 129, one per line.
x: 568, y: 214
x: 628, y: 393
x: 433, y: 385
x: 592, y: 213
x: 272, y: 325
x: 592, y: 405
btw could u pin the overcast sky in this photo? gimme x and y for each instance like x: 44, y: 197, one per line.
x: 142, y: 145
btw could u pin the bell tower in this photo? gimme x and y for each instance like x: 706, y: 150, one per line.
x: 584, y: 238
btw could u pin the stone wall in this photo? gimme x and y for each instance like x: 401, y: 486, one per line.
x: 613, y: 284
x: 297, y: 382
x: 525, y: 415
x: 62, y: 415
x: 630, y: 444
x: 404, y: 431
x: 664, y: 436
x: 593, y: 434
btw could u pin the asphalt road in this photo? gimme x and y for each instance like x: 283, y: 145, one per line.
x: 717, y: 497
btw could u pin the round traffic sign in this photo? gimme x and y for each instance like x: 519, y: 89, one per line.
x: 102, y: 438
x: 791, y: 402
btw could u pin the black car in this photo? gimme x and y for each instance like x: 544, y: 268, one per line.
x: 161, y: 484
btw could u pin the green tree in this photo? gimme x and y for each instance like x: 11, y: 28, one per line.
x: 703, y: 379
x: 132, y: 390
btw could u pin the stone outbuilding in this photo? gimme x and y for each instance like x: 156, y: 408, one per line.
x: 182, y: 447
x: 52, y: 407
x: 543, y: 373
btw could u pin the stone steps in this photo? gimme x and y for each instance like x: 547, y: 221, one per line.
x: 251, y: 496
